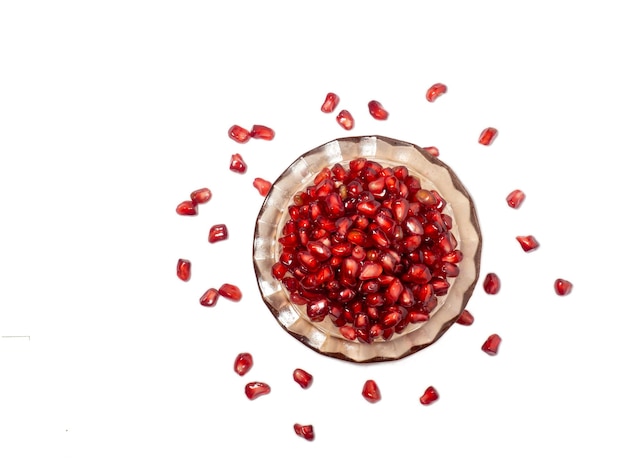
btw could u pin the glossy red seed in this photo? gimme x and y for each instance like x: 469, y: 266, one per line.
x: 515, y: 198
x: 187, y: 208
x: 371, y: 391
x: 209, y: 298
x: 200, y: 196
x: 433, y: 151
x: 183, y: 269
x: 262, y: 186
x: 429, y: 396
x: 492, y: 344
x: 562, y: 287
x: 254, y: 390
x: 466, y: 318
x: 330, y: 103
x: 487, y: 136
x: 302, y: 378
x: 435, y: 91
x: 259, y: 131
x: 377, y: 111
x: 527, y: 242
x: 345, y: 119
x: 348, y: 332
x: 230, y: 291
x: 243, y: 363
x: 305, y: 431
x: 491, y: 284
x: 218, y: 233
x: 239, y: 134
x: 237, y: 164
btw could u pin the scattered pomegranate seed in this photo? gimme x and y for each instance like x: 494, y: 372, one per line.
x: 345, y: 119
x: 527, y: 242
x: 515, y: 198
x: 239, y: 134
x: 218, y: 233
x: 434, y: 151
x: 187, y: 208
x: 243, y: 363
x: 330, y: 103
x: 303, y: 378
x: 230, y: 291
x: 304, y: 430
x: 562, y: 287
x: 256, y: 389
x: 487, y: 136
x: 262, y: 186
x: 436, y: 91
x: 492, y: 344
x: 183, y: 269
x: 370, y: 391
x: 200, y: 196
x: 259, y: 131
x: 377, y: 111
x: 491, y: 284
x: 430, y: 395
x: 237, y: 164
x: 209, y: 298
x: 466, y: 318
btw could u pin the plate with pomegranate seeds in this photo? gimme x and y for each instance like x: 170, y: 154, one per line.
x: 367, y: 249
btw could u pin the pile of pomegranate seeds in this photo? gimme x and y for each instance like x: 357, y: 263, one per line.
x: 305, y: 431
x: 377, y: 111
x: 515, y: 198
x: 183, y: 269
x: 302, y: 378
x: 429, y: 396
x: 218, y: 233
x: 491, y: 284
x: 370, y: 391
x: 492, y: 344
x: 254, y: 390
x: 487, y: 136
x: 562, y: 287
x: 345, y: 119
x: 436, y: 91
x: 243, y: 363
x: 237, y: 164
x: 528, y: 242
x: 369, y: 248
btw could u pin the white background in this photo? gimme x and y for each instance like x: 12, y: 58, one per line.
x: 113, y: 112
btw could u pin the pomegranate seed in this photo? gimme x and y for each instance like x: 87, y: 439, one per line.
x: 466, y: 318
x: 491, y: 284
x: 239, y: 134
x: 435, y: 91
x: 230, y: 291
x: 330, y: 103
x: 348, y: 332
x: 528, y: 242
x: 433, y: 151
x: 256, y: 389
x: 377, y: 111
x: 200, y: 196
x: 430, y: 395
x: 562, y: 287
x: 187, y: 208
x: 303, y: 378
x: 218, y: 233
x: 243, y: 363
x: 237, y: 164
x: 183, y: 269
x: 370, y: 391
x: 345, y: 119
x: 487, y: 136
x: 492, y: 344
x: 515, y: 198
x: 305, y: 431
x: 262, y: 186
x: 209, y: 298
x: 259, y: 131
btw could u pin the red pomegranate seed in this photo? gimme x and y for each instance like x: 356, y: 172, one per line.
x: 183, y: 269
x: 487, y: 136
x: 377, y: 111
x: 256, y: 389
x: 492, y: 344
x: 515, y: 198
x: 491, y: 284
x: 348, y: 332
x: 243, y: 363
x: 434, y: 151
x: 436, y: 91
x: 370, y: 391
x: 466, y: 318
x: 230, y: 291
x: 330, y: 103
x: 187, y: 208
x: 430, y: 395
x: 305, y: 431
x: 259, y: 131
x: 200, y: 196
x: 239, y: 134
x: 209, y: 298
x: 237, y: 164
x: 262, y: 186
x: 218, y: 233
x: 303, y: 378
x: 562, y: 287
x: 527, y: 242
x: 345, y: 119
